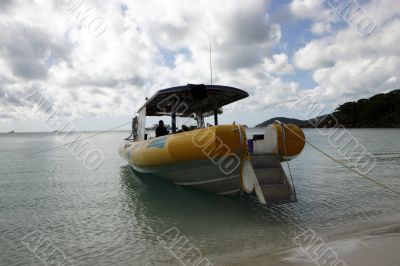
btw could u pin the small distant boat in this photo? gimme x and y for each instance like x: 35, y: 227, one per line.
x: 11, y: 132
x: 216, y: 158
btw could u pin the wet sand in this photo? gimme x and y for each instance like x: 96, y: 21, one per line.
x: 372, y: 247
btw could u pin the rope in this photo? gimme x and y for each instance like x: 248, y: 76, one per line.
x: 346, y: 166
x: 284, y: 147
x: 78, y: 140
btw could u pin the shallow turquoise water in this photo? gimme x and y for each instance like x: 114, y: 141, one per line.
x: 110, y: 216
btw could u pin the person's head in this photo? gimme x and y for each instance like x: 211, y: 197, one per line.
x: 161, y: 123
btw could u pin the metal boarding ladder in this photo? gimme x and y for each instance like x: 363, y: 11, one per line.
x: 272, y: 178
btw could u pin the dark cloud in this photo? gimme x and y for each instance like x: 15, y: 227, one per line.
x: 241, y: 37
x: 9, y: 98
x: 29, y: 51
x: 137, y: 81
x: 249, y: 28
x: 5, y: 5
x: 106, y: 81
x: 87, y: 81
x: 238, y: 57
x: 250, y: 37
x: 5, y: 116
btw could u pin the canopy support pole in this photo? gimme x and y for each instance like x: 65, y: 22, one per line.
x: 173, y: 118
x: 215, y: 117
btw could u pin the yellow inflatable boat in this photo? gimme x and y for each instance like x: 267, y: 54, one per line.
x: 217, y: 158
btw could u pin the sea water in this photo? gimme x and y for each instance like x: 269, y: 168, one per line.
x: 51, y: 204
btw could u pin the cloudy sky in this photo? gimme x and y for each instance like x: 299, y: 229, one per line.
x: 96, y: 61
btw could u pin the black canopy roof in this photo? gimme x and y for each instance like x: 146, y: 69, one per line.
x: 189, y: 99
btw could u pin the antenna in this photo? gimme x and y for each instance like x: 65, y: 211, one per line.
x: 211, y: 74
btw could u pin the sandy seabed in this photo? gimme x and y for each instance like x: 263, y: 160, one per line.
x: 379, y: 246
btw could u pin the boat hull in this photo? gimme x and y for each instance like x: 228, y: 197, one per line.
x: 208, y: 159
x: 202, y: 175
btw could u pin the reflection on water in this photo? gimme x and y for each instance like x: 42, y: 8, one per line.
x: 115, y: 215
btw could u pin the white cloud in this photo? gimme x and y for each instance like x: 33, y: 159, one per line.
x: 348, y: 66
x: 310, y: 9
x: 48, y: 48
x: 45, y: 47
x: 320, y: 28
x: 279, y: 64
x: 315, y: 54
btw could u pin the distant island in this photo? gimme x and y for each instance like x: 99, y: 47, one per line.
x: 379, y: 111
x: 286, y: 120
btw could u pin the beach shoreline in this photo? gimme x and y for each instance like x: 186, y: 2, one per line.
x: 377, y: 245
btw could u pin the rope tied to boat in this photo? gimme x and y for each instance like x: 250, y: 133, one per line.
x: 78, y: 140
x: 286, y: 154
x: 344, y: 165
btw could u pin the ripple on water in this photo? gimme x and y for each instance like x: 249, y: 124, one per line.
x: 112, y: 215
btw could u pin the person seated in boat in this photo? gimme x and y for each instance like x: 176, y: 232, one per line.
x: 184, y: 128
x: 161, y: 130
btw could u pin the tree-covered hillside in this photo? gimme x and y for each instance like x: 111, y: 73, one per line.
x: 381, y: 110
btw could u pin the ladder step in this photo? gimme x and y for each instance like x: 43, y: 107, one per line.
x: 268, y: 176
x: 273, y: 181
x: 277, y: 193
x: 266, y: 160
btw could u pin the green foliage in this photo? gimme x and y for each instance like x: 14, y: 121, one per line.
x: 381, y: 110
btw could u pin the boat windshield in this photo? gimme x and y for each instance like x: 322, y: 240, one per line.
x: 186, y: 123
x: 189, y: 101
